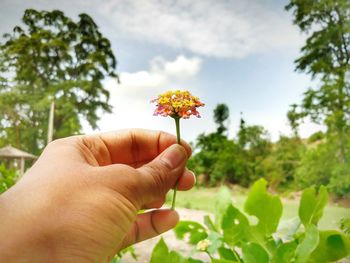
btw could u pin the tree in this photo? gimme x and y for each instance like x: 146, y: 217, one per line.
x: 316, y: 137
x: 326, y: 56
x: 281, y: 164
x: 52, y: 58
x: 255, y: 147
x: 319, y: 165
x: 219, y: 159
x: 221, y: 114
x: 254, y: 138
x: 216, y: 156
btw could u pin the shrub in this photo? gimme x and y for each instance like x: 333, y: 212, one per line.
x: 321, y: 166
x: 317, y: 136
x: 231, y: 237
x: 340, y: 180
x: 8, y: 178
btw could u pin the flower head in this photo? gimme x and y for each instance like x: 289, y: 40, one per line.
x: 177, y: 104
x: 203, y: 245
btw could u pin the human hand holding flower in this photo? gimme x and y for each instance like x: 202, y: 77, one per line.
x: 80, y: 201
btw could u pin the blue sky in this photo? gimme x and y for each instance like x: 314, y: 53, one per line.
x: 227, y: 51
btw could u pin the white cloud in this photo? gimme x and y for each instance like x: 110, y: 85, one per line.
x: 160, y: 74
x: 181, y: 67
x: 142, y: 80
x: 222, y: 28
x: 131, y: 99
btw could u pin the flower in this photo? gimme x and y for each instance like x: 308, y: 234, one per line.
x: 203, y: 245
x: 177, y: 104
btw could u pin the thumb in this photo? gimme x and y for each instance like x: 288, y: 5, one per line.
x: 162, y: 173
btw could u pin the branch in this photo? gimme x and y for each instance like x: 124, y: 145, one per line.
x: 347, y: 55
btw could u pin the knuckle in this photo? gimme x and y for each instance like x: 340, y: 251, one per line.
x: 160, y: 168
x: 158, y: 176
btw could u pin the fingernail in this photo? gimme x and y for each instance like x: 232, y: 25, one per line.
x: 194, y: 176
x: 174, y: 215
x: 174, y: 155
x: 169, y: 219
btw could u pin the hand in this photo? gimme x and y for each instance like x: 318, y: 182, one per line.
x: 80, y: 200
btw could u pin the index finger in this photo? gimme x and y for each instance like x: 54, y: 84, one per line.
x: 133, y: 147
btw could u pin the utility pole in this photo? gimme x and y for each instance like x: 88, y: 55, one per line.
x: 51, y: 119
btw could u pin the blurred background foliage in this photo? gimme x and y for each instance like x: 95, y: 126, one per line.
x: 289, y: 163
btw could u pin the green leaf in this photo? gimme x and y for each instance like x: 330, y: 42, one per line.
x: 209, y: 223
x: 194, y: 260
x: 162, y: 254
x: 214, y: 260
x: 223, y: 200
x: 129, y: 250
x: 175, y: 257
x: 235, y: 226
x: 344, y: 225
x: 266, y: 207
x: 215, y: 242
x: 270, y: 244
x: 312, y: 205
x: 195, y: 231
x: 333, y: 246
x: 116, y: 260
x: 227, y: 254
x: 285, y: 252
x: 254, y: 253
x: 310, y: 242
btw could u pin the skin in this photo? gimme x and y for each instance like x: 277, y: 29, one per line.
x: 80, y: 200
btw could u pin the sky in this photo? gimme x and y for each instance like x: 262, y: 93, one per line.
x: 236, y: 52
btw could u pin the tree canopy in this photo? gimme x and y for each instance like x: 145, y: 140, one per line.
x: 51, y: 57
x: 221, y: 114
x: 326, y: 56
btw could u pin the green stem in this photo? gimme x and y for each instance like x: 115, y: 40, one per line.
x: 236, y: 256
x: 177, y: 124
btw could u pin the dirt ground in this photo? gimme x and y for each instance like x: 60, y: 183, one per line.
x: 144, y: 249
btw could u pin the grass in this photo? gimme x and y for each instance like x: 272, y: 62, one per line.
x: 205, y: 198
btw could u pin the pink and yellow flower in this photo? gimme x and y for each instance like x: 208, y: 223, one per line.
x: 177, y: 104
